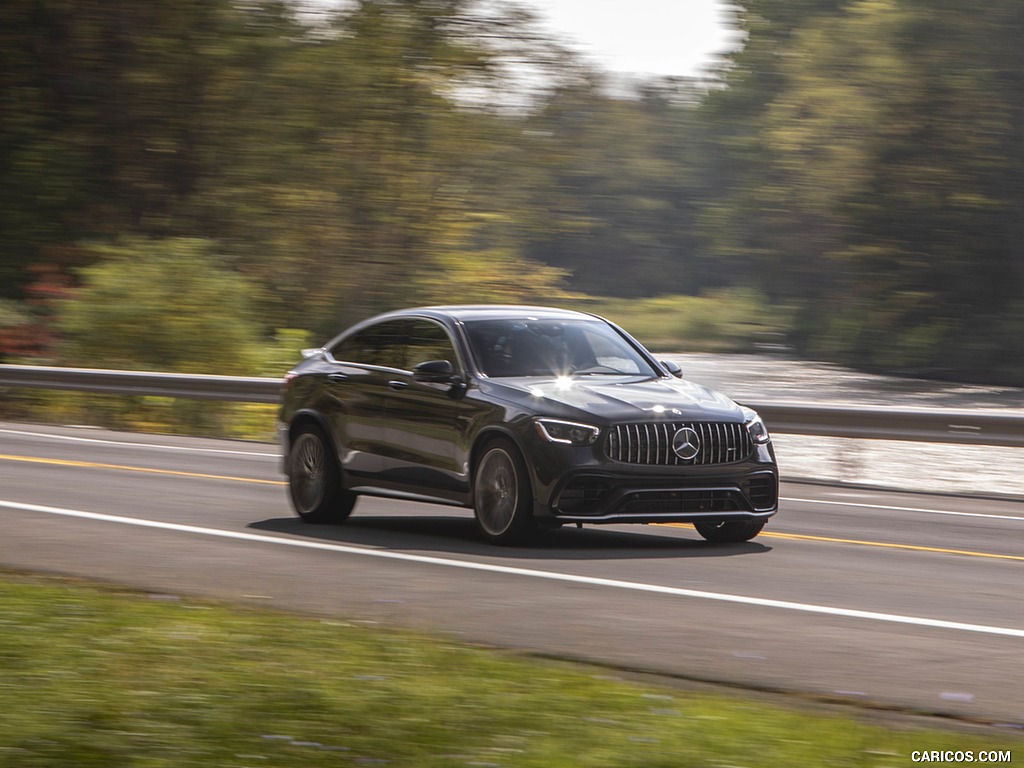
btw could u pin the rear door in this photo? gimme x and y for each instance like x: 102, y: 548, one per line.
x: 357, y: 387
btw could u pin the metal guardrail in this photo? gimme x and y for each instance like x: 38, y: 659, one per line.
x: 929, y: 425
x: 241, y: 389
x: 936, y: 425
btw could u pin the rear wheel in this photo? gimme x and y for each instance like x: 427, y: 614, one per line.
x: 729, y: 532
x: 314, y: 480
x: 502, y: 495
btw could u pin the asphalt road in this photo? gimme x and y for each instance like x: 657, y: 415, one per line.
x: 876, y: 598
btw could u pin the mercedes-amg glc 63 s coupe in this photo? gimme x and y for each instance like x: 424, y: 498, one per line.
x: 533, y: 417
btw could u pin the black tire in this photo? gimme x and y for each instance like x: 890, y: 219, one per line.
x: 503, y: 495
x: 314, y: 480
x: 730, y: 532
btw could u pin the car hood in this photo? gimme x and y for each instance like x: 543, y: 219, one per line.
x: 619, y: 398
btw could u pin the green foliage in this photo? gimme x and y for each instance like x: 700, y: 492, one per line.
x: 165, y: 305
x: 148, y: 414
x: 620, y: 200
x: 283, y: 351
x: 12, y: 314
x: 473, y: 265
x: 490, y: 278
x: 858, y: 161
x: 734, y: 320
x: 880, y: 195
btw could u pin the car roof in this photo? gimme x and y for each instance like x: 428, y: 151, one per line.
x: 499, y: 312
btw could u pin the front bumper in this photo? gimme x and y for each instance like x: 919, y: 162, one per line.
x: 584, y: 485
x: 609, y: 498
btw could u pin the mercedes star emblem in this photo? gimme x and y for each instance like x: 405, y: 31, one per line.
x: 686, y: 443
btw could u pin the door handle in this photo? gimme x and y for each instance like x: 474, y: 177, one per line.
x: 337, y: 378
x: 398, y: 384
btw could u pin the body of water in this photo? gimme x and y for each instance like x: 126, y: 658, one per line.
x: 930, y: 467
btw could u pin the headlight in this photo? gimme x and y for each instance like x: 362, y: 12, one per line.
x: 756, y: 428
x: 567, y: 432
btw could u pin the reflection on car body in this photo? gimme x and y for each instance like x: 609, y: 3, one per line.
x: 534, y: 417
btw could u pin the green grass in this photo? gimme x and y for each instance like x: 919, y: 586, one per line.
x: 102, y: 677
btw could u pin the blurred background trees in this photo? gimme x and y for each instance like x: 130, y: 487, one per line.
x: 161, y: 305
x: 857, y: 167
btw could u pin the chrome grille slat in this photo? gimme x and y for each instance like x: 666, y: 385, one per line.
x: 650, y: 443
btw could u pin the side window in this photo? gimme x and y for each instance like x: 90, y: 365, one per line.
x: 382, y: 344
x: 429, y: 341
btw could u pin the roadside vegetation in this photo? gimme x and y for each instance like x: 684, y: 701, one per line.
x: 728, y: 320
x: 855, y: 166
x: 99, y: 676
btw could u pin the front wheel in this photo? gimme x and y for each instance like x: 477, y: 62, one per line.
x: 314, y: 480
x: 502, y: 495
x: 730, y: 532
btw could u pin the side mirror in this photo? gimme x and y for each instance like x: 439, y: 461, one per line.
x: 312, y: 352
x: 435, y: 372
x: 672, y: 367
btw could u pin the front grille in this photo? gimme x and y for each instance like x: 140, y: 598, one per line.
x: 717, y: 443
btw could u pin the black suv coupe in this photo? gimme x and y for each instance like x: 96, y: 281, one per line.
x: 534, y: 417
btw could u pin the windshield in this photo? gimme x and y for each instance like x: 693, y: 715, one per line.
x: 524, y: 347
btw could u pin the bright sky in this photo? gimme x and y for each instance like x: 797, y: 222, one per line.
x: 659, y: 37
x: 662, y: 37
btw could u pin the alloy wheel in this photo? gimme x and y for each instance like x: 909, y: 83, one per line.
x: 308, y: 478
x: 497, y: 492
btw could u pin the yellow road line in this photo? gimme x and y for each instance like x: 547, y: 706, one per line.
x: 881, y: 544
x: 123, y: 467
x: 888, y: 545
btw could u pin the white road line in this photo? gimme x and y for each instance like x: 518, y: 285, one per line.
x: 157, y: 446
x: 904, y: 509
x: 527, y: 572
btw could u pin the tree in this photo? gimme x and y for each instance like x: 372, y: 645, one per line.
x: 620, y: 190
x: 883, y: 193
